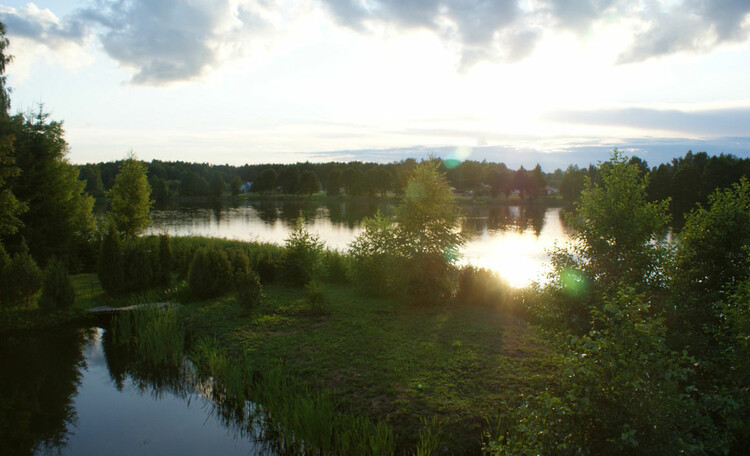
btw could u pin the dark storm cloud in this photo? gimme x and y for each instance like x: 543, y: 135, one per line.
x: 718, y: 122
x: 164, y: 40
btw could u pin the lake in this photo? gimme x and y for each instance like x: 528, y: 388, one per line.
x: 72, y: 391
x: 511, y: 240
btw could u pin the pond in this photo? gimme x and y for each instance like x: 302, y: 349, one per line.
x: 71, y: 391
x: 512, y: 240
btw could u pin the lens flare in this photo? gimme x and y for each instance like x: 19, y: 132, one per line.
x: 574, y: 282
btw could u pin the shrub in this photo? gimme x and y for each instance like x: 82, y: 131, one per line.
x: 25, y: 278
x: 265, y: 264
x: 302, y: 259
x: 163, y: 276
x: 210, y: 273
x: 373, y: 260
x: 249, y: 289
x: 139, y: 261
x: 482, y: 287
x: 335, y: 266
x: 428, y: 278
x: 57, y: 290
x: 110, y: 268
x: 5, y: 262
x: 240, y: 262
x: 316, y: 298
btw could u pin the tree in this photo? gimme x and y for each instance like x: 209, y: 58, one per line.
x: 57, y: 290
x: 333, y: 184
x: 216, y: 185
x: 111, y: 266
x: 266, y: 181
x: 309, y: 183
x: 192, y: 184
x: 618, y: 241
x: 59, y: 210
x: 235, y: 185
x: 130, y: 198
x: 289, y: 180
x: 10, y: 207
x: 159, y: 189
x: 92, y: 175
x: 26, y: 278
x: 428, y: 234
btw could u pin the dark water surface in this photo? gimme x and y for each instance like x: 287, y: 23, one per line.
x: 71, y: 391
x: 510, y: 239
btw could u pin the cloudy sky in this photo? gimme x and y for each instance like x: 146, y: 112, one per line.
x: 257, y: 81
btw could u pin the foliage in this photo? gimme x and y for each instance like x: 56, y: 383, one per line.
x: 59, y: 210
x: 266, y: 181
x: 10, y: 207
x: 240, y: 262
x: 216, y: 185
x: 336, y: 266
x: 265, y: 263
x: 235, y: 185
x: 156, y: 333
x: 249, y: 289
x: 57, y: 290
x: 130, y: 198
x: 309, y: 183
x: 303, y: 255
x: 333, y: 183
x: 210, y: 273
x: 111, y: 268
x: 316, y: 298
x: 618, y: 239
x: 163, y: 273
x: 5, y: 278
x: 374, y: 265
x: 482, y: 287
x: 621, y: 393
x: 427, y: 234
x: 24, y: 279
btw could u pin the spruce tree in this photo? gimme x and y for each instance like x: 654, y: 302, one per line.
x: 57, y: 290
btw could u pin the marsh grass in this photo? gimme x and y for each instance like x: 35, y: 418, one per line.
x: 155, y: 333
x: 299, y: 419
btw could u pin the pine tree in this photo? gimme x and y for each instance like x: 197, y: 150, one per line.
x: 130, y: 198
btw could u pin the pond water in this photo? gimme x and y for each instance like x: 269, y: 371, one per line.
x: 71, y: 391
x: 510, y: 239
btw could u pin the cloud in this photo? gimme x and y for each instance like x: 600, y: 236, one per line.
x: 164, y: 41
x: 691, y: 25
x: 42, y: 26
x: 714, y: 123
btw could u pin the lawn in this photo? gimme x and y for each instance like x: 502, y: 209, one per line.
x: 387, y: 359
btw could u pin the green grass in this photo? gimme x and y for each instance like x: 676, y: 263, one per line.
x: 387, y: 359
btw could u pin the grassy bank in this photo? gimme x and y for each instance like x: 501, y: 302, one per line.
x: 386, y: 359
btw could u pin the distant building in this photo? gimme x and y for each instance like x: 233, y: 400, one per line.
x: 246, y: 187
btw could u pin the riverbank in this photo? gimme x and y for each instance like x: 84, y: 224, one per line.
x: 386, y: 359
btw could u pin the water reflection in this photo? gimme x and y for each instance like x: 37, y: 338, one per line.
x: 508, y: 239
x: 73, y: 391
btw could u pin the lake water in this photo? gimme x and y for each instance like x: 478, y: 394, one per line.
x: 71, y: 391
x: 511, y: 240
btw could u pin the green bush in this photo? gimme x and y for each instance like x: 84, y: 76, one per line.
x: 57, y: 290
x: 111, y: 268
x: 240, y: 262
x: 163, y: 275
x: 265, y: 264
x: 316, y: 298
x: 139, y: 262
x: 249, y: 289
x: 302, y: 259
x: 428, y: 278
x: 336, y: 266
x: 373, y: 267
x: 24, y: 279
x: 482, y: 287
x: 5, y: 262
x: 210, y: 273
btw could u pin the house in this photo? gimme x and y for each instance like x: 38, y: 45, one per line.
x: 245, y: 188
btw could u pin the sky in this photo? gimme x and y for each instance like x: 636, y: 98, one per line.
x: 260, y: 81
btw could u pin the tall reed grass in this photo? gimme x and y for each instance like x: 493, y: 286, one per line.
x: 155, y: 332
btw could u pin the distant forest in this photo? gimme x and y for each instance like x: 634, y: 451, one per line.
x: 685, y: 180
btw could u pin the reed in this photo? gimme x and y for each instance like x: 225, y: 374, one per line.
x: 155, y: 333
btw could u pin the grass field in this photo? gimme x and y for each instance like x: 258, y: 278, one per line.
x: 387, y: 359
